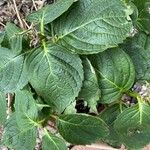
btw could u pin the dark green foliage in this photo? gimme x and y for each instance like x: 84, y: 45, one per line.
x: 92, y: 55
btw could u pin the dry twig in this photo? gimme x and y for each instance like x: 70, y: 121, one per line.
x: 18, y: 15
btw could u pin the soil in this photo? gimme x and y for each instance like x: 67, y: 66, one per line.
x: 10, y: 8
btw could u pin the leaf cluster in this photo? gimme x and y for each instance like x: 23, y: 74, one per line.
x: 90, y: 50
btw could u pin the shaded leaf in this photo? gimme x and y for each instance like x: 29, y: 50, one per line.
x: 81, y: 129
x: 3, y: 108
x: 138, y: 49
x: 90, y: 91
x: 56, y: 75
x: 143, y: 20
x: 109, y: 115
x: 2, y: 35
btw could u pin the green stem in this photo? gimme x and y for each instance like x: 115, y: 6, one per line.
x: 44, y: 46
x: 135, y: 95
x: 54, y: 117
x: 140, y: 101
x: 120, y: 106
x: 42, y: 26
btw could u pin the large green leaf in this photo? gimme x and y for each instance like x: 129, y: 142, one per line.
x: 56, y: 75
x: 90, y: 91
x: 143, y: 20
x: 26, y: 109
x: 52, y: 142
x: 15, y: 138
x: 115, y: 73
x: 3, y: 109
x: 15, y: 37
x: 138, y: 49
x: 81, y: 129
x: 13, y: 75
x: 93, y: 26
x: 133, y: 125
x: 50, y: 12
x: 109, y: 115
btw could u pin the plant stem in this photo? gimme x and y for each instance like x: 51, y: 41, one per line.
x: 42, y: 26
x: 135, y: 95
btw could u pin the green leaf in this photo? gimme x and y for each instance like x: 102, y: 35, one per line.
x: 15, y: 138
x: 50, y: 12
x: 93, y: 26
x: 13, y: 75
x: 56, y: 75
x: 115, y: 73
x: 90, y: 91
x: 143, y: 20
x: 138, y: 49
x: 26, y: 109
x: 109, y: 115
x: 2, y: 35
x: 52, y: 142
x: 132, y: 125
x: 15, y: 37
x: 81, y: 129
x: 3, y: 108
x: 71, y: 109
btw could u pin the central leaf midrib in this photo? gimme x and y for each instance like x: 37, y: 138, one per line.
x: 79, y: 27
x: 52, y: 140
x: 96, y: 19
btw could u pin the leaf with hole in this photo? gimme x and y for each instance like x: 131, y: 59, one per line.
x: 132, y: 125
